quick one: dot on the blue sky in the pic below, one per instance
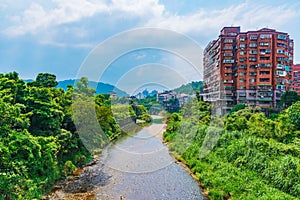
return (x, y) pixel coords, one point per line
(57, 36)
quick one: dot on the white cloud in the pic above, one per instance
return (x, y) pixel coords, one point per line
(49, 23)
(73, 45)
(36, 18)
(247, 15)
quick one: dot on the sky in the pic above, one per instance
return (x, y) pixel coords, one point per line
(59, 36)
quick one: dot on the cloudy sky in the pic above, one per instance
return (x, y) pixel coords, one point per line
(57, 36)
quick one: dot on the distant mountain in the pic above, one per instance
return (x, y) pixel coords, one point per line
(190, 88)
(101, 88)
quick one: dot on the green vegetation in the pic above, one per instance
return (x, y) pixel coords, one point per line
(190, 88)
(39, 143)
(243, 155)
(289, 97)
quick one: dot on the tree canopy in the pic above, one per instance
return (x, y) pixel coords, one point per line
(39, 139)
(289, 97)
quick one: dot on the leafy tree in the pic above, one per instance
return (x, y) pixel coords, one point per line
(82, 87)
(44, 80)
(237, 107)
(289, 97)
(294, 115)
(11, 87)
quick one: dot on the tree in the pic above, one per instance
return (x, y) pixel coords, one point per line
(82, 87)
(289, 97)
(294, 115)
(237, 107)
(44, 80)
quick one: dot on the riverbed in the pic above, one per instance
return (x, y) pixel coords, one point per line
(137, 167)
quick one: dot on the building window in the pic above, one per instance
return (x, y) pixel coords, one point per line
(252, 80)
(242, 52)
(242, 45)
(281, 37)
(252, 44)
(281, 44)
(228, 54)
(264, 80)
(242, 39)
(280, 87)
(228, 47)
(265, 65)
(280, 58)
(265, 51)
(264, 72)
(265, 36)
(252, 73)
(232, 34)
(242, 73)
(264, 43)
(242, 80)
(228, 61)
(242, 59)
(280, 51)
(253, 37)
(243, 66)
(228, 41)
(252, 52)
(252, 59)
(281, 73)
(253, 66)
(264, 58)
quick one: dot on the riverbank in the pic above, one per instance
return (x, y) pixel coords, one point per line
(178, 160)
(136, 167)
(184, 165)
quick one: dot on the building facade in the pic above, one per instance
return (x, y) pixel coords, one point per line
(252, 68)
(296, 78)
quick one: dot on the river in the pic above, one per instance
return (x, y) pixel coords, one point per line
(135, 168)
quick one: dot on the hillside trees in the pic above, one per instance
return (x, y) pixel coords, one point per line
(39, 141)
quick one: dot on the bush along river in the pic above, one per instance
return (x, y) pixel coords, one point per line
(137, 167)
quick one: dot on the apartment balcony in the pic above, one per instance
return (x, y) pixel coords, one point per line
(228, 100)
(265, 99)
(251, 98)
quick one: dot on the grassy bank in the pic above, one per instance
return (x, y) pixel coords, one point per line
(241, 156)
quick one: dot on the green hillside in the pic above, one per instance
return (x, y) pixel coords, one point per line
(190, 88)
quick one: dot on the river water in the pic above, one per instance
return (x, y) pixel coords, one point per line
(138, 167)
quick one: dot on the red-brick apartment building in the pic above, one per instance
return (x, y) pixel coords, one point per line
(296, 78)
(252, 68)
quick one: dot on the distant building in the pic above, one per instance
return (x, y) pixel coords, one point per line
(165, 96)
(183, 99)
(112, 95)
(173, 101)
(296, 78)
(252, 68)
